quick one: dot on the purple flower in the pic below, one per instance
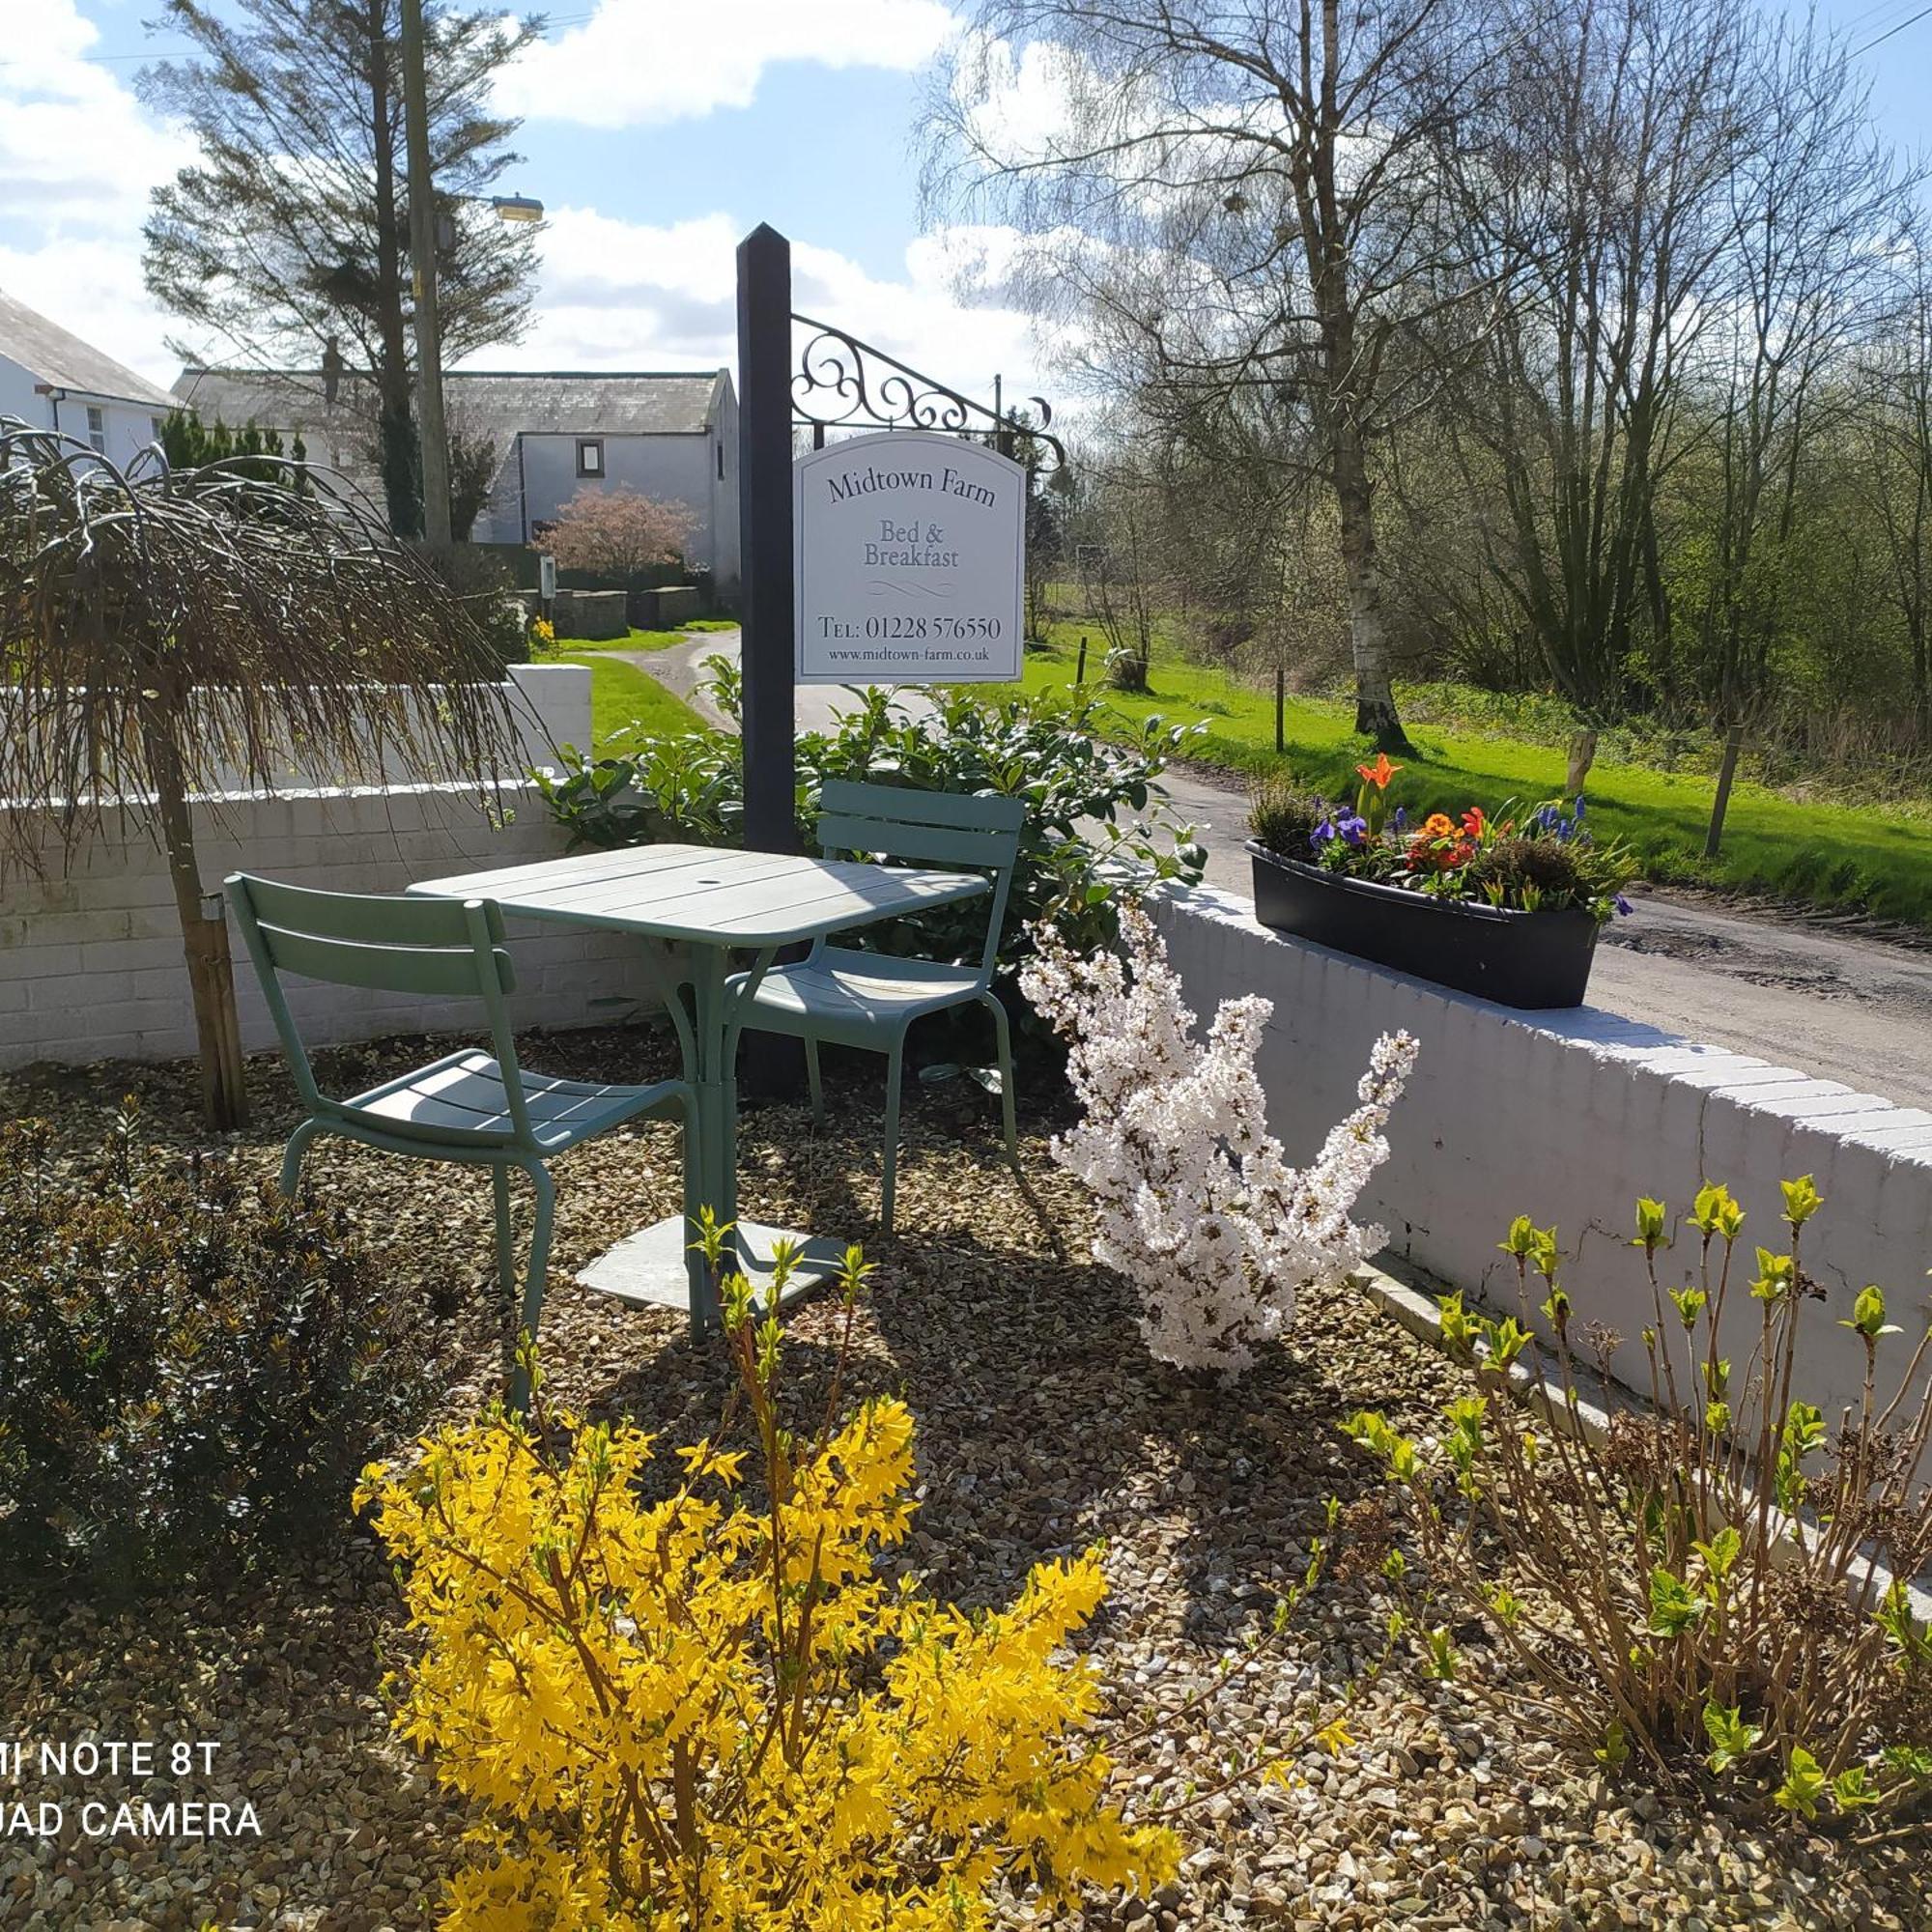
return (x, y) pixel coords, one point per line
(1401, 820)
(1353, 827)
(1321, 834)
(1623, 905)
(1580, 809)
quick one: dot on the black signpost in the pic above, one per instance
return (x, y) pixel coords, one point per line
(764, 518)
(835, 382)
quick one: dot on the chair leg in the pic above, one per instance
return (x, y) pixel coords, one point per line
(889, 1172)
(506, 1260)
(812, 1081)
(1009, 1101)
(534, 1289)
(291, 1156)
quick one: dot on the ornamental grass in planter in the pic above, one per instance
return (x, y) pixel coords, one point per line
(1709, 1590)
(1506, 906)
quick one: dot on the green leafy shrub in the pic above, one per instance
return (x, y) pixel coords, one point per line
(191, 1370)
(1094, 822)
(1705, 1588)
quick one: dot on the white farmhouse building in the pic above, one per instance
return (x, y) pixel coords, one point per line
(55, 381)
(670, 434)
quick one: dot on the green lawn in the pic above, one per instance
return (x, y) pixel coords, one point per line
(1827, 855)
(621, 695)
(634, 640)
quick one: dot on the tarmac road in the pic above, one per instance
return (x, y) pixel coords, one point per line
(1839, 1005)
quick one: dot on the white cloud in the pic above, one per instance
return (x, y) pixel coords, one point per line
(627, 295)
(77, 157)
(637, 62)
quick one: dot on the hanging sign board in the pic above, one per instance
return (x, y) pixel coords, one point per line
(909, 561)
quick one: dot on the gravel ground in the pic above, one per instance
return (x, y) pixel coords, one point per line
(1042, 1426)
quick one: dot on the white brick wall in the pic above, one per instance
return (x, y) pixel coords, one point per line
(91, 961)
(1567, 1117)
(549, 706)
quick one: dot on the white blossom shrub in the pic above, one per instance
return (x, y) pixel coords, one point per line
(1198, 1207)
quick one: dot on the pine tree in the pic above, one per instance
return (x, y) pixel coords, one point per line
(291, 229)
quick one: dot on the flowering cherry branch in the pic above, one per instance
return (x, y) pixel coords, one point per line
(1198, 1206)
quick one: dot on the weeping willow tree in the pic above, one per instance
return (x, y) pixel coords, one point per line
(171, 635)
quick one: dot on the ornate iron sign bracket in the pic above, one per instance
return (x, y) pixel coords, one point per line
(840, 383)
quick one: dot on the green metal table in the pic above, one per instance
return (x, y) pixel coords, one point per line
(694, 905)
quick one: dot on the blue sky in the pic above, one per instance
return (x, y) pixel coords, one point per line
(655, 133)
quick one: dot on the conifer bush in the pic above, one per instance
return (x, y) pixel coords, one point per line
(193, 1368)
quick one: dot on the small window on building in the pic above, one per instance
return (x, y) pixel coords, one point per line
(589, 456)
(721, 462)
(155, 427)
(97, 428)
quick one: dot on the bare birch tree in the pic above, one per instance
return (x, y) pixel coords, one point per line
(1599, 189)
(1244, 194)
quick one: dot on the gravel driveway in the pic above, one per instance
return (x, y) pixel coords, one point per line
(1043, 1427)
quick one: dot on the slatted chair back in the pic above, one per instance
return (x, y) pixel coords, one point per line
(927, 827)
(390, 945)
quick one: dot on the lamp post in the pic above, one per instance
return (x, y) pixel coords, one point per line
(423, 260)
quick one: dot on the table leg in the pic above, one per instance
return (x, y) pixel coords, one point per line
(659, 1265)
(715, 1088)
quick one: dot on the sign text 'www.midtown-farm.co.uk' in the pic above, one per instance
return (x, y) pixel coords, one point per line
(910, 561)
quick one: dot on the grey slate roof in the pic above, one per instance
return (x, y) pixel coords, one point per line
(484, 402)
(64, 361)
(589, 402)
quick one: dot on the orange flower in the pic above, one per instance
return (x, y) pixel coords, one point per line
(1379, 773)
(1437, 825)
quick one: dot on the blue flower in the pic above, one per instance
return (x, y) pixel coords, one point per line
(1321, 834)
(1580, 808)
(1401, 820)
(1354, 829)
(1623, 905)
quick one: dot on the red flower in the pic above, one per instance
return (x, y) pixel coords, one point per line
(1473, 821)
(1379, 773)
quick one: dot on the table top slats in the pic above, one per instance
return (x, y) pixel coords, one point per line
(709, 896)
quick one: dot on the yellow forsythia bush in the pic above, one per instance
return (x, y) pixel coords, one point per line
(709, 1712)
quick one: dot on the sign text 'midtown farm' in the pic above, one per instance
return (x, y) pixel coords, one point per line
(872, 480)
(908, 561)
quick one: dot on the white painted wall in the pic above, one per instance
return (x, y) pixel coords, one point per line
(91, 963)
(129, 427)
(91, 955)
(548, 706)
(1567, 1117)
(677, 469)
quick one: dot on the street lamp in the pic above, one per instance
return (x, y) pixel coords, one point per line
(505, 207)
(422, 255)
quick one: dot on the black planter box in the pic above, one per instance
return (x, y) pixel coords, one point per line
(1530, 959)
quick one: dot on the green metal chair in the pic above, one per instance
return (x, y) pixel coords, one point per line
(839, 997)
(466, 1107)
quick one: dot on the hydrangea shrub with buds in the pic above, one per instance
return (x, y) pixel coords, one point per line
(1198, 1207)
